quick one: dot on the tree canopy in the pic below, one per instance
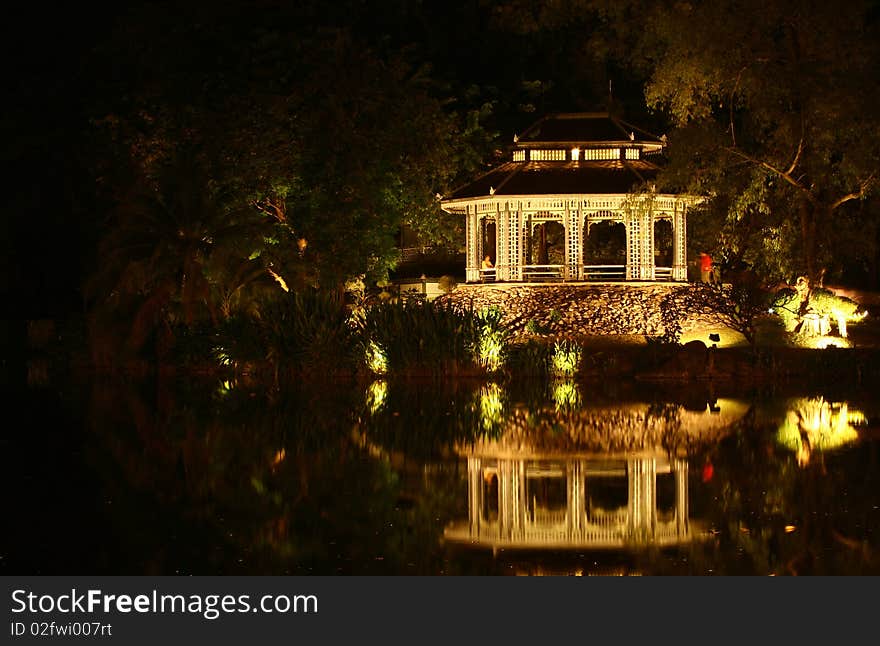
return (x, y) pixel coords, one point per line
(775, 105)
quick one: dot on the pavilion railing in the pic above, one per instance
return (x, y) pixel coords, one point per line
(588, 273)
(603, 272)
(542, 272)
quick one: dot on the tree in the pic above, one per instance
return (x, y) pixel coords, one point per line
(335, 142)
(779, 99)
(159, 245)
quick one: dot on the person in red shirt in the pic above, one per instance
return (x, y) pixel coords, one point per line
(705, 267)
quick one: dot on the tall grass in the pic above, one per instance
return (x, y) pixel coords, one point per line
(430, 339)
(297, 332)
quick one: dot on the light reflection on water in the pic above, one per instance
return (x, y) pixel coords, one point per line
(462, 478)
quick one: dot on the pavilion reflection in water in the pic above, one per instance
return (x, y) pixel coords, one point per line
(576, 502)
(524, 495)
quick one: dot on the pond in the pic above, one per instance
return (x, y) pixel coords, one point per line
(420, 478)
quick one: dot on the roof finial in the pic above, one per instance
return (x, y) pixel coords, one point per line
(515, 138)
(610, 97)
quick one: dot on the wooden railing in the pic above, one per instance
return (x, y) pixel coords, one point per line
(588, 273)
(542, 272)
(604, 272)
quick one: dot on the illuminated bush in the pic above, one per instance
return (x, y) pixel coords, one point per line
(377, 393)
(376, 360)
(493, 339)
(566, 395)
(566, 358)
(430, 338)
(817, 425)
(491, 407)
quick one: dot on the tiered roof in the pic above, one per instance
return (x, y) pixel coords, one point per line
(580, 153)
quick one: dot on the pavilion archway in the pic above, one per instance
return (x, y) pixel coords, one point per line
(544, 250)
(664, 248)
(488, 242)
(604, 249)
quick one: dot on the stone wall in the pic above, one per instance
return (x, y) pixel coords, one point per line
(646, 309)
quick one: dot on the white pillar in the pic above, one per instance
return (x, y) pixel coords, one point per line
(472, 244)
(647, 269)
(574, 243)
(642, 497)
(502, 270)
(475, 494)
(679, 235)
(509, 235)
(633, 224)
(575, 502)
(682, 510)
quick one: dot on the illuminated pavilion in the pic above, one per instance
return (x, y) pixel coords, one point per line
(601, 478)
(570, 172)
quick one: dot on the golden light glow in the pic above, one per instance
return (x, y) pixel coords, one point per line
(376, 359)
(822, 342)
(279, 280)
(566, 358)
(491, 349)
(817, 425)
(727, 337)
(575, 154)
(225, 387)
(491, 406)
(566, 395)
(377, 393)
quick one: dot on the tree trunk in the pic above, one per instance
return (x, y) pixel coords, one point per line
(808, 238)
(542, 245)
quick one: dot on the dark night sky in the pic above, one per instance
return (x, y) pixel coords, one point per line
(53, 79)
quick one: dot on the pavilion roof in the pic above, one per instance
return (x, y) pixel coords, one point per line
(559, 178)
(605, 167)
(583, 128)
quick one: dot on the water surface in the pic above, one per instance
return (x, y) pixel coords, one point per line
(467, 477)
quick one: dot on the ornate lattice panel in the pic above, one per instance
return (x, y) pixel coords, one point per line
(679, 232)
(573, 244)
(502, 243)
(473, 246)
(633, 246)
(647, 268)
(514, 246)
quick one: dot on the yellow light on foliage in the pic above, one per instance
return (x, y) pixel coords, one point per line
(566, 395)
(491, 406)
(377, 393)
(279, 280)
(225, 387)
(817, 425)
(376, 359)
(566, 357)
(491, 349)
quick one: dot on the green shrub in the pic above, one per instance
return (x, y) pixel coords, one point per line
(307, 330)
(420, 337)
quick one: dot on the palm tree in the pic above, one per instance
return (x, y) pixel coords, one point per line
(159, 243)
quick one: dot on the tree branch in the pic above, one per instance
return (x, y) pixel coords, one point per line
(786, 175)
(732, 95)
(864, 187)
(797, 155)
